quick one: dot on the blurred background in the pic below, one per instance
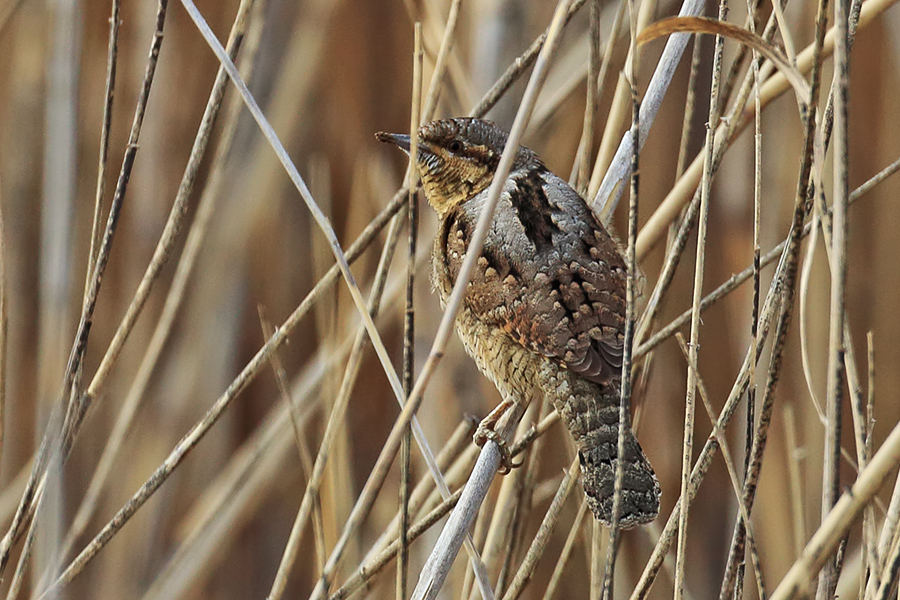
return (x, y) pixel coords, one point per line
(329, 74)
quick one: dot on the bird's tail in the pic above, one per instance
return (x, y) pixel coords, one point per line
(591, 413)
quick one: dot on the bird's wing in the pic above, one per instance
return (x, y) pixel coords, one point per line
(565, 300)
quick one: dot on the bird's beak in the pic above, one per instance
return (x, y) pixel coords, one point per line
(398, 139)
(402, 141)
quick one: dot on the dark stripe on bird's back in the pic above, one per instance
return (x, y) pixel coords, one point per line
(534, 210)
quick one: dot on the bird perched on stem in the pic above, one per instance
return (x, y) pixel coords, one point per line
(544, 312)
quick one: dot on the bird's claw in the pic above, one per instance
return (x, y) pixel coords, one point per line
(484, 433)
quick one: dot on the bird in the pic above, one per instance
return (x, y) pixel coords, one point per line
(544, 311)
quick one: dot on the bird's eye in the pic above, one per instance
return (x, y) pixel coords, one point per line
(455, 146)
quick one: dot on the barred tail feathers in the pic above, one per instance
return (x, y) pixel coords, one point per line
(591, 414)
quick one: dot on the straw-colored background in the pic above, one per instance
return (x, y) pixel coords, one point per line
(329, 74)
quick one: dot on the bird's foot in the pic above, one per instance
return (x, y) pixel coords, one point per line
(486, 431)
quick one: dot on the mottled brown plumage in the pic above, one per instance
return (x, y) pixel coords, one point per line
(544, 311)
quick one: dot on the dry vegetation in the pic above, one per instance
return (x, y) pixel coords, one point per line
(146, 420)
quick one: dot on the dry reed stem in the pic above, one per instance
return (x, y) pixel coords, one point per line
(754, 306)
(889, 531)
(616, 115)
(857, 450)
(673, 254)
(298, 182)
(354, 251)
(439, 562)
(840, 519)
(539, 543)
(604, 196)
(495, 544)
(174, 222)
(515, 70)
(788, 284)
(596, 559)
(376, 564)
(566, 552)
(190, 439)
(773, 87)
(162, 251)
(50, 442)
(455, 459)
(390, 447)
(870, 551)
(440, 64)
(805, 275)
(297, 428)
(521, 502)
(173, 302)
(709, 448)
(592, 99)
(459, 449)
(737, 279)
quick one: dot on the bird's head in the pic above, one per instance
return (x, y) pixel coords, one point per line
(457, 158)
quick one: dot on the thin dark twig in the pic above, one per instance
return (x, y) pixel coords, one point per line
(737, 279)
(206, 207)
(112, 54)
(628, 346)
(836, 344)
(409, 320)
(754, 303)
(788, 284)
(694, 347)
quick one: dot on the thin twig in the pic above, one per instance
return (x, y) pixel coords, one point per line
(409, 316)
(112, 54)
(729, 463)
(836, 344)
(361, 508)
(630, 311)
(297, 428)
(694, 347)
(592, 99)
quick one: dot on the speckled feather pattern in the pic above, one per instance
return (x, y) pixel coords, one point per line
(544, 311)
